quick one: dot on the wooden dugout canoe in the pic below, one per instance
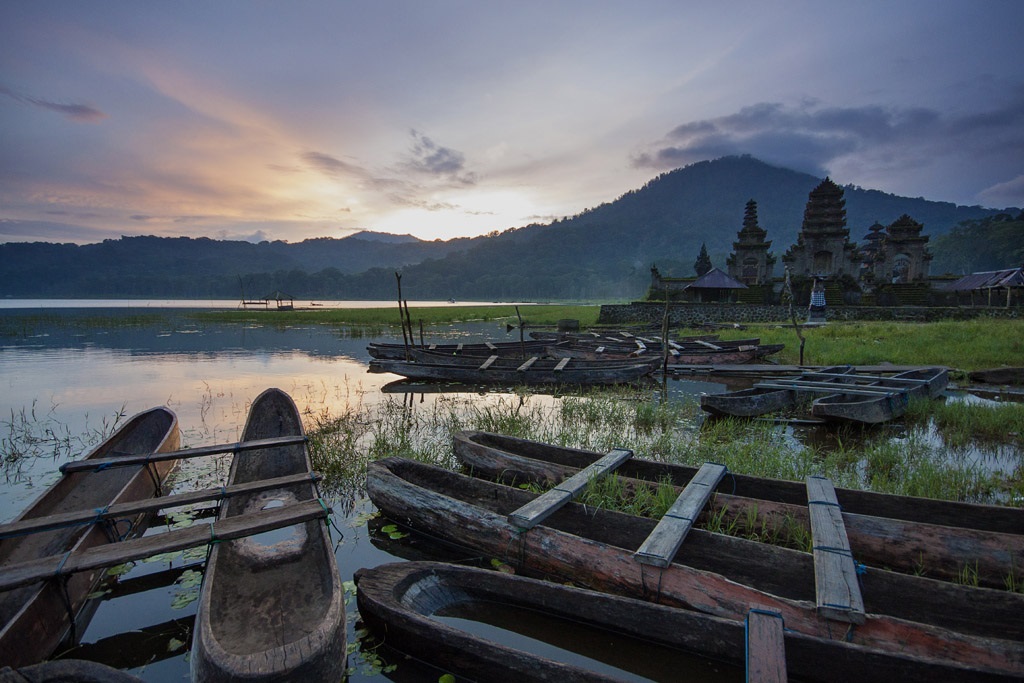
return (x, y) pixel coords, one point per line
(902, 533)
(505, 349)
(271, 611)
(763, 400)
(34, 619)
(861, 409)
(399, 601)
(515, 372)
(976, 628)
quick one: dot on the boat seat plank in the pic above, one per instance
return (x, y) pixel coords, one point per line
(458, 348)
(110, 554)
(600, 349)
(432, 347)
(488, 363)
(766, 647)
(526, 366)
(716, 347)
(491, 346)
(77, 517)
(837, 588)
(866, 378)
(661, 546)
(92, 464)
(823, 388)
(561, 364)
(542, 507)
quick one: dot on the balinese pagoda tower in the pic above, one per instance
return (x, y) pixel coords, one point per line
(823, 247)
(750, 261)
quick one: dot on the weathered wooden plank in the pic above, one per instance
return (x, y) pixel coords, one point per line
(661, 546)
(716, 347)
(865, 378)
(491, 346)
(231, 528)
(561, 364)
(458, 347)
(432, 347)
(77, 517)
(848, 389)
(526, 366)
(766, 647)
(487, 363)
(837, 588)
(125, 460)
(542, 507)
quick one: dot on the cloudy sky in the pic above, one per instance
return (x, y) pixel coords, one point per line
(250, 119)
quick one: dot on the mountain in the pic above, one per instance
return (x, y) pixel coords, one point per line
(604, 252)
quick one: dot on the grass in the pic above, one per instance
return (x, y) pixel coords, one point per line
(966, 345)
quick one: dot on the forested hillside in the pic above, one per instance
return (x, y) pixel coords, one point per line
(978, 245)
(602, 253)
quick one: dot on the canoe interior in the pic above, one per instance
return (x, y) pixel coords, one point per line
(271, 604)
(33, 619)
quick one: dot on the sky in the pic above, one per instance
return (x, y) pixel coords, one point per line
(251, 119)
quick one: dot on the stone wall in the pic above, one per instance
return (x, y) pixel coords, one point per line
(694, 314)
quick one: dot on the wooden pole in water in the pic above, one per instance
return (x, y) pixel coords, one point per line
(522, 342)
(792, 314)
(664, 338)
(401, 316)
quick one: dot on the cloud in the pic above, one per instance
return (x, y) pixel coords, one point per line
(1010, 193)
(46, 231)
(429, 158)
(330, 165)
(82, 113)
(810, 137)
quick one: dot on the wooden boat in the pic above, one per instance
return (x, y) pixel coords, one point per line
(732, 356)
(485, 349)
(938, 622)
(271, 610)
(1013, 376)
(761, 400)
(404, 600)
(35, 618)
(902, 533)
(535, 370)
(866, 409)
(66, 671)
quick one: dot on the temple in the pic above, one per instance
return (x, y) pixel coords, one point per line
(750, 262)
(823, 247)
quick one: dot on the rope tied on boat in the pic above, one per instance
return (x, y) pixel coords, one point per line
(846, 552)
(825, 502)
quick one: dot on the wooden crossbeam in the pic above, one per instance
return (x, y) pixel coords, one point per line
(432, 347)
(661, 546)
(716, 347)
(526, 366)
(542, 507)
(766, 647)
(80, 517)
(837, 588)
(869, 378)
(110, 554)
(459, 347)
(825, 388)
(92, 464)
(561, 364)
(491, 346)
(489, 362)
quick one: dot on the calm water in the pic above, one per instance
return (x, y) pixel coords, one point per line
(73, 379)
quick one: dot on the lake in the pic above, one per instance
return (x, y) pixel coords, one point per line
(66, 375)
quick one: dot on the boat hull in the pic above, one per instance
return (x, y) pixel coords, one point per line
(399, 601)
(37, 618)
